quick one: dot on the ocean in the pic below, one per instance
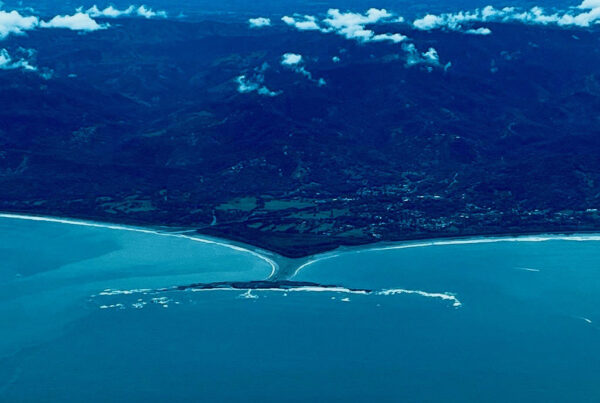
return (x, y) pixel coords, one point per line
(97, 312)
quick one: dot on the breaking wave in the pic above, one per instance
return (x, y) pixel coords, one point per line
(252, 290)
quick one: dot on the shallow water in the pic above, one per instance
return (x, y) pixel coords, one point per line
(83, 319)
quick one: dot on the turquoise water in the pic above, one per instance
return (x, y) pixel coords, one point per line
(82, 319)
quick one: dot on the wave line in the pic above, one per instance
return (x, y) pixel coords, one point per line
(274, 266)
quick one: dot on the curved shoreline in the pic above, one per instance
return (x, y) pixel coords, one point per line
(119, 227)
(285, 268)
(483, 239)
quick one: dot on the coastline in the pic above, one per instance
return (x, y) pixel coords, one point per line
(448, 241)
(306, 245)
(271, 258)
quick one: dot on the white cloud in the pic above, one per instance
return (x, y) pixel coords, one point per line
(255, 82)
(350, 25)
(450, 21)
(246, 85)
(14, 23)
(356, 26)
(341, 21)
(112, 12)
(76, 22)
(296, 63)
(429, 22)
(584, 15)
(291, 59)
(305, 23)
(589, 4)
(109, 12)
(259, 22)
(9, 63)
(395, 38)
(479, 31)
(429, 59)
(353, 25)
(144, 11)
(23, 59)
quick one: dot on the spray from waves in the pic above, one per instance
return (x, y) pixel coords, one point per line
(248, 295)
(109, 291)
(527, 269)
(252, 289)
(583, 318)
(444, 296)
(274, 266)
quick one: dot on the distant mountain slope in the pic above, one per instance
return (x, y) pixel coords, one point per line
(145, 122)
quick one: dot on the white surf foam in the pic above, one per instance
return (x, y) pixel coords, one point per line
(248, 295)
(113, 306)
(443, 296)
(163, 301)
(251, 293)
(109, 291)
(288, 290)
